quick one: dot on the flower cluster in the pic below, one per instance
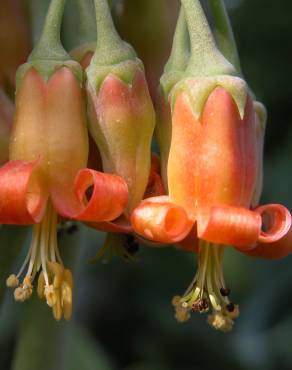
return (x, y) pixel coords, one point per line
(80, 149)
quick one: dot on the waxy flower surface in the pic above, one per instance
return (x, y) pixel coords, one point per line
(46, 177)
(214, 174)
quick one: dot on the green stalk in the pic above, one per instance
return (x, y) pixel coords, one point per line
(205, 58)
(224, 34)
(87, 26)
(110, 49)
(180, 47)
(49, 46)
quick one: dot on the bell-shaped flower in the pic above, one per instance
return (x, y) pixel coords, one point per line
(46, 175)
(214, 175)
(120, 110)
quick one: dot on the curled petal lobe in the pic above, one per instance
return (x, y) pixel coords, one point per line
(191, 242)
(277, 221)
(274, 250)
(22, 196)
(107, 200)
(119, 225)
(229, 225)
(159, 220)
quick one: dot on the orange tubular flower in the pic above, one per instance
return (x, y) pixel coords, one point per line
(214, 177)
(47, 175)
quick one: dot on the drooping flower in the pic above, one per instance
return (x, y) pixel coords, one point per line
(46, 175)
(120, 110)
(214, 175)
(121, 121)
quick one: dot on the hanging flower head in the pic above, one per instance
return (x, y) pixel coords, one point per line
(214, 173)
(121, 114)
(46, 175)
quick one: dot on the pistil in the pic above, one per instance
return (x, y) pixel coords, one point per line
(208, 291)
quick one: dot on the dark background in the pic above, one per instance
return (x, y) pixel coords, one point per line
(123, 318)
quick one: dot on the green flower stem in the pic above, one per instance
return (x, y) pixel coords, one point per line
(110, 49)
(87, 25)
(49, 46)
(225, 37)
(205, 58)
(180, 51)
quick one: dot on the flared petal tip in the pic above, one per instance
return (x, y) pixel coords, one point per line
(159, 220)
(22, 195)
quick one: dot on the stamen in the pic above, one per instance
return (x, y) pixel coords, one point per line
(208, 290)
(225, 292)
(55, 284)
(12, 281)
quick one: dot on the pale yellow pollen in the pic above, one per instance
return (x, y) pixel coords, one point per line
(12, 281)
(23, 292)
(182, 313)
(66, 294)
(57, 271)
(54, 282)
(208, 290)
(57, 308)
(220, 322)
(50, 294)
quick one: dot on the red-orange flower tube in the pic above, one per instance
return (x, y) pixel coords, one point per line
(214, 174)
(46, 175)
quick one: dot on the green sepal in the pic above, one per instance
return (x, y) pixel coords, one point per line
(47, 67)
(125, 71)
(199, 89)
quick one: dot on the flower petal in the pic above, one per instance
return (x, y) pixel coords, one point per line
(22, 196)
(274, 250)
(107, 202)
(120, 225)
(159, 220)
(278, 221)
(191, 242)
(229, 225)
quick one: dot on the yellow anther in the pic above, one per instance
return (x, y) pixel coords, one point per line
(220, 322)
(233, 314)
(57, 308)
(68, 277)
(176, 301)
(12, 281)
(57, 270)
(21, 293)
(66, 294)
(50, 294)
(182, 315)
(27, 283)
(182, 312)
(41, 286)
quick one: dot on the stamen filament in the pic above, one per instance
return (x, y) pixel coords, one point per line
(206, 290)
